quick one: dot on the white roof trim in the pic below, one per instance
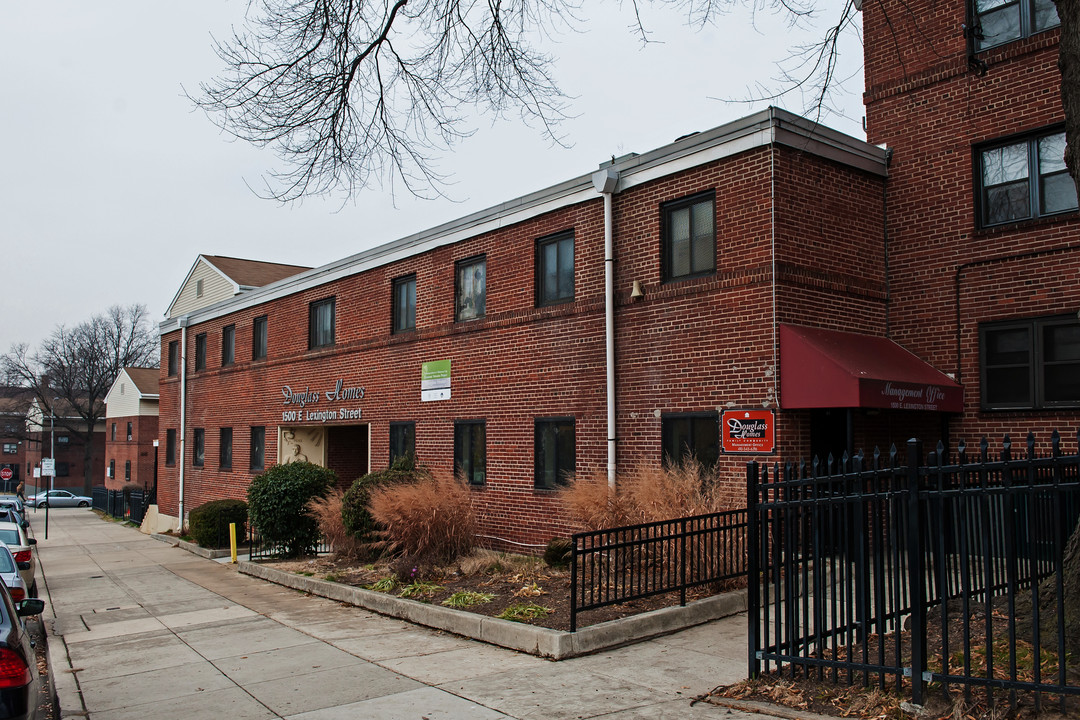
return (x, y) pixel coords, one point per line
(769, 126)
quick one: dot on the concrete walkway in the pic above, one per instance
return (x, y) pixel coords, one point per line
(140, 629)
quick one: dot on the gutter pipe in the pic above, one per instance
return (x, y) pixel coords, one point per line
(605, 181)
(183, 322)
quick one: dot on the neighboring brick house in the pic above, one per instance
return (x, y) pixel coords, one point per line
(14, 405)
(777, 287)
(131, 426)
(65, 433)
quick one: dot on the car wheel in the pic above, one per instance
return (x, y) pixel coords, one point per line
(43, 505)
(83, 503)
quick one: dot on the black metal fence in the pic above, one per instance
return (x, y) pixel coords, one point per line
(637, 561)
(260, 549)
(891, 571)
(128, 504)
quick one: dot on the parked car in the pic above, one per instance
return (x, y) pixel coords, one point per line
(9, 575)
(19, 679)
(13, 500)
(12, 535)
(10, 514)
(58, 498)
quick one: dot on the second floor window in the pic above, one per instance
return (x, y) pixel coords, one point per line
(1025, 179)
(112, 433)
(174, 357)
(130, 433)
(1001, 21)
(321, 323)
(228, 345)
(404, 310)
(471, 289)
(1030, 364)
(200, 351)
(688, 237)
(170, 446)
(555, 269)
(198, 447)
(258, 338)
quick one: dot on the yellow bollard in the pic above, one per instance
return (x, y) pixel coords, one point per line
(232, 541)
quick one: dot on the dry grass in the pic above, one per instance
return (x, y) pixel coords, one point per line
(432, 519)
(327, 513)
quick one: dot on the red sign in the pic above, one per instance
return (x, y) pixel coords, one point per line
(5, 473)
(748, 431)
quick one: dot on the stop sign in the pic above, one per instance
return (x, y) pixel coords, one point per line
(5, 473)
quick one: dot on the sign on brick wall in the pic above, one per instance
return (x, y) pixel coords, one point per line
(435, 381)
(748, 431)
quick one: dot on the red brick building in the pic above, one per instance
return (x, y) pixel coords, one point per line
(776, 287)
(131, 422)
(14, 406)
(59, 431)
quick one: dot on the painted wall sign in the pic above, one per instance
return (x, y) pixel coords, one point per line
(748, 431)
(435, 381)
(909, 396)
(307, 396)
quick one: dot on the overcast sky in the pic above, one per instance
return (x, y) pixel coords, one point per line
(112, 184)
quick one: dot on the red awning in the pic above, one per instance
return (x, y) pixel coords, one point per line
(832, 369)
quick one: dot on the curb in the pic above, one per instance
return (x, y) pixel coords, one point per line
(191, 547)
(540, 641)
(63, 685)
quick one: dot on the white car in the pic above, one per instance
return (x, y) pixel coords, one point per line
(12, 535)
(58, 498)
(9, 575)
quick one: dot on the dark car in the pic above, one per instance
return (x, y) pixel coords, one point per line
(19, 679)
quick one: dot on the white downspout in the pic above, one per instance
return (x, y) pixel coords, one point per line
(605, 181)
(183, 415)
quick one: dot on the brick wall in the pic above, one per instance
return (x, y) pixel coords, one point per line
(139, 451)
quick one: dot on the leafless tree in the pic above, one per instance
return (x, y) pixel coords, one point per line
(78, 365)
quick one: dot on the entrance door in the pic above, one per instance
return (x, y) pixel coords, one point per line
(830, 432)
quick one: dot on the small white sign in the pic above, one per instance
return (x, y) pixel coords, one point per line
(438, 394)
(37, 473)
(48, 467)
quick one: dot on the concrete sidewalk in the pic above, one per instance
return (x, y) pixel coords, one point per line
(141, 629)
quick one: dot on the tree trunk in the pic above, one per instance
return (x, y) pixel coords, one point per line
(1069, 64)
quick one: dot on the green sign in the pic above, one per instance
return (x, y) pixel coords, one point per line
(435, 370)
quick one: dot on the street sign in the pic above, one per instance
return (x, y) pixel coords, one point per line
(5, 473)
(48, 467)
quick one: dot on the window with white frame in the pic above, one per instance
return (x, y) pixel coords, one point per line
(470, 280)
(1024, 178)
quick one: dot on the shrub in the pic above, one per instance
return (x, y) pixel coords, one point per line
(431, 519)
(558, 552)
(327, 513)
(209, 523)
(278, 504)
(355, 514)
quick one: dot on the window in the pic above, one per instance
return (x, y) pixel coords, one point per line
(470, 450)
(554, 449)
(258, 447)
(1000, 21)
(228, 345)
(198, 288)
(321, 323)
(63, 439)
(130, 434)
(127, 471)
(402, 440)
(112, 468)
(470, 292)
(688, 237)
(692, 436)
(225, 455)
(258, 338)
(170, 446)
(405, 304)
(112, 433)
(174, 357)
(1030, 363)
(200, 352)
(555, 269)
(198, 447)
(63, 469)
(1025, 179)
(11, 448)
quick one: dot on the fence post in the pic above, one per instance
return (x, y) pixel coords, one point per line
(573, 582)
(916, 576)
(753, 582)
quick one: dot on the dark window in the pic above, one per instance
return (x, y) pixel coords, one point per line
(198, 447)
(470, 289)
(200, 351)
(170, 446)
(470, 450)
(692, 436)
(225, 456)
(1024, 179)
(321, 323)
(112, 433)
(174, 357)
(258, 447)
(11, 448)
(1031, 363)
(127, 471)
(555, 450)
(402, 440)
(112, 469)
(130, 434)
(228, 344)
(405, 304)
(63, 469)
(555, 269)
(1000, 21)
(258, 338)
(689, 237)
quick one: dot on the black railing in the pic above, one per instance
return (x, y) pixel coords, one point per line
(613, 566)
(129, 504)
(259, 549)
(892, 571)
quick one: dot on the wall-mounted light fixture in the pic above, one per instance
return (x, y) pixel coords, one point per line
(636, 293)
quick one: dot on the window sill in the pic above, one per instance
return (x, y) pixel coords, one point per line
(1026, 224)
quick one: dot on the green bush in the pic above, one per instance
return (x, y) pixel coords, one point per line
(354, 506)
(209, 523)
(558, 552)
(277, 505)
